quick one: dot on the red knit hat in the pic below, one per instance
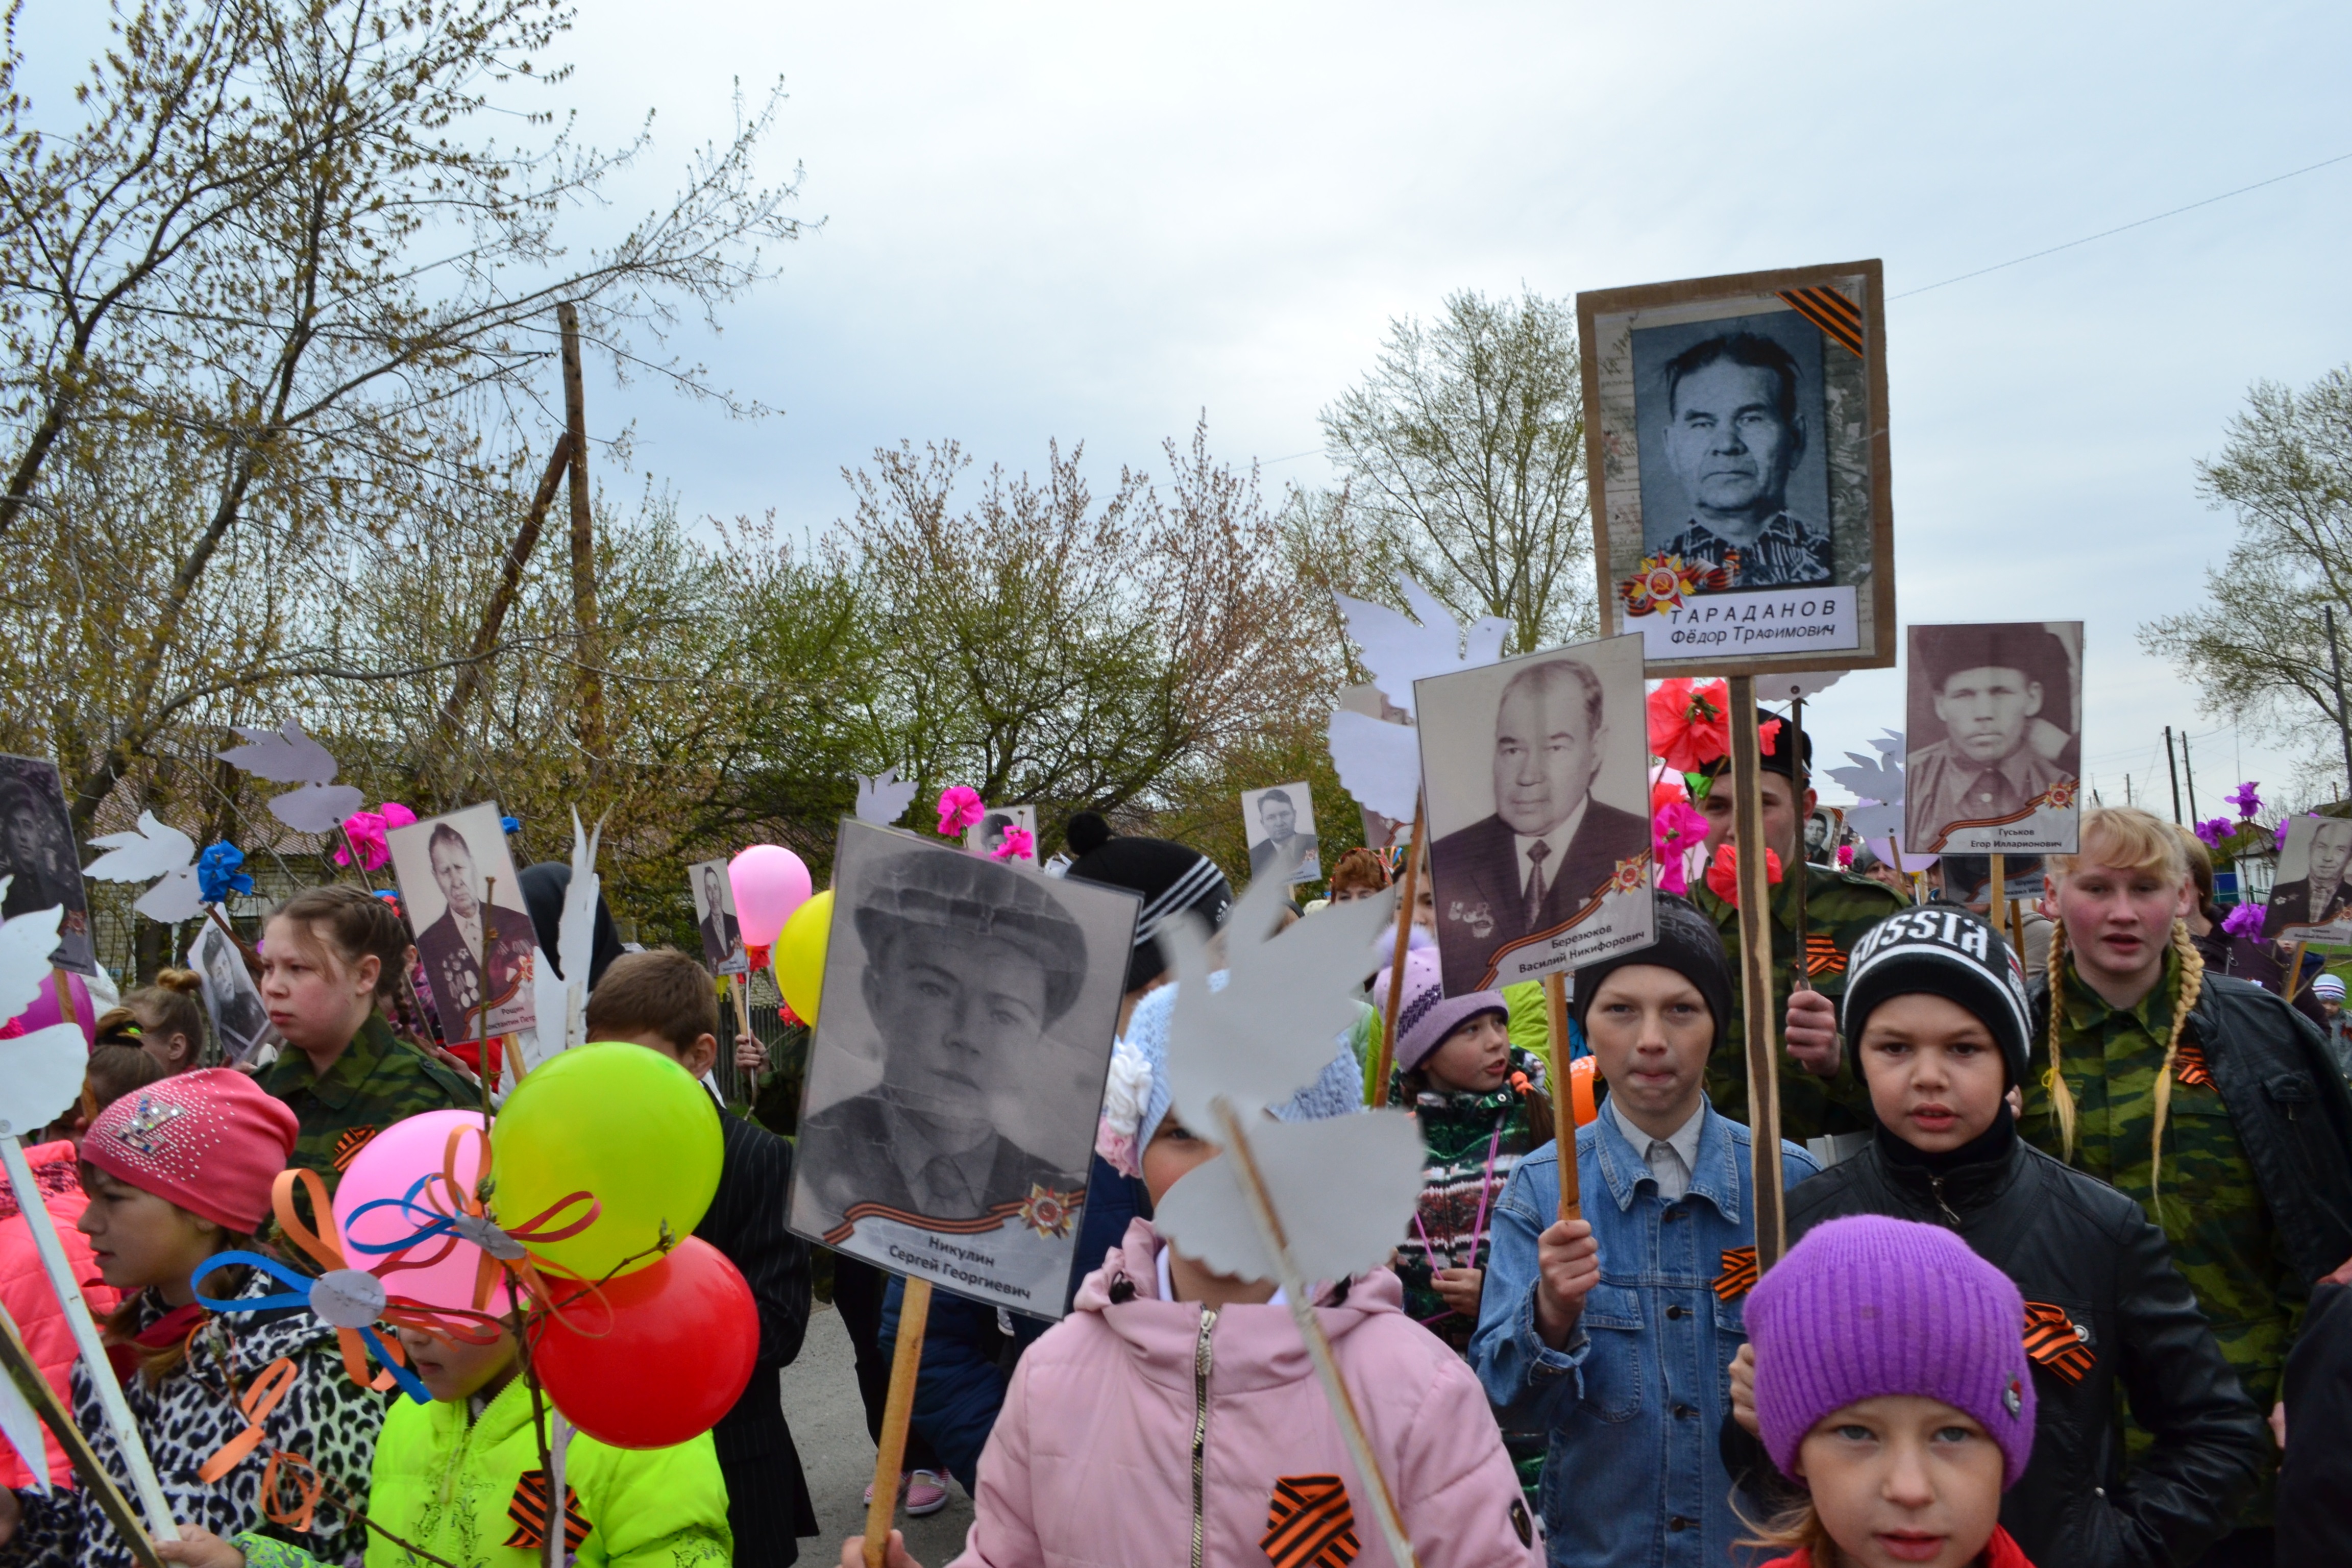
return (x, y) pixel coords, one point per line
(210, 1142)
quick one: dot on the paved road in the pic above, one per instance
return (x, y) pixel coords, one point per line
(828, 1423)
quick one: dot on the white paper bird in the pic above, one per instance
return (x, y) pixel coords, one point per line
(40, 1072)
(1398, 651)
(286, 756)
(1877, 785)
(1379, 762)
(560, 1002)
(883, 799)
(1268, 1032)
(159, 851)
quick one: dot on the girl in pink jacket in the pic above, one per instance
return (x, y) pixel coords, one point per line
(1174, 1417)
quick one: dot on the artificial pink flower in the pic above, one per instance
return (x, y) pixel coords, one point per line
(1018, 843)
(364, 830)
(2244, 798)
(1723, 877)
(959, 807)
(2245, 920)
(1677, 825)
(1845, 856)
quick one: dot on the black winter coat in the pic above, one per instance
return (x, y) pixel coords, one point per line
(2070, 1241)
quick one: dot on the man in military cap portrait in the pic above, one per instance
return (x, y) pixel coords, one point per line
(1998, 701)
(968, 966)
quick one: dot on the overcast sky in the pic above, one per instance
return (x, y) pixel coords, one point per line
(1091, 222)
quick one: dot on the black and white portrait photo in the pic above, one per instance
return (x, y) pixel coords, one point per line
(989, 835)
(1737, 456)
(240, 1021)
(2311, 900)
(1538, 796)
(474, 940)
(1279, 824)
(714, 916)
(37, 856)
(1993, 755)
(956, 1075)
(1733, 477)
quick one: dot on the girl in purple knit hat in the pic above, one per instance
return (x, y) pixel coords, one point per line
(1892, 1383)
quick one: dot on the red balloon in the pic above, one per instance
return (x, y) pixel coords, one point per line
(663, 1357)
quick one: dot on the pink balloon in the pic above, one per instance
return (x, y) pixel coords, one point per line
(387, 1167)
(770, 883)
(44, 1010)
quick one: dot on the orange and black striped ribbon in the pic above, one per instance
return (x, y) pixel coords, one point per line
(2188, 1066)
(1309, 1524)
(348, 1146)
(2052, 1340)
(1839, 318)
(528, 1509)
(1739, 1273)
(1823, 955)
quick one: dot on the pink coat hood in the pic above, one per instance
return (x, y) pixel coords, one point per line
(1091, 1461)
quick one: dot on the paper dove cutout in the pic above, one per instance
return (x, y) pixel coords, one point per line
(883, 799)
(1776, 687)
(286, 755)
(560, 1002)
(155, 850)
(41, 1072)
(1343, 1189)
(1379, 762)
(1878, 785)
(1397, 652)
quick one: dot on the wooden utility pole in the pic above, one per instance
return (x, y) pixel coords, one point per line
(588, 653)
(502, 597)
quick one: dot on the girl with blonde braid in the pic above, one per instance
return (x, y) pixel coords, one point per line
(2203, 1097)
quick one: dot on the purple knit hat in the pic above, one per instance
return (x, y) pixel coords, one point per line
(1868, 1306)
(1427, 1014)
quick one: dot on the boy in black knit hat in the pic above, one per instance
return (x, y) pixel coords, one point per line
(1935, 1014)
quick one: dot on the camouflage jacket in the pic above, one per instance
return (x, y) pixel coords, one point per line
(379, 1079)
(2256, 1193)
(1838, 909)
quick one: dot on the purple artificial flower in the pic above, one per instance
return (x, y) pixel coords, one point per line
(2214, 829)
(2245, 920)
(2244, 798)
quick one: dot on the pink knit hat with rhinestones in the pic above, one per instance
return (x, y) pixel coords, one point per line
(210, 1142)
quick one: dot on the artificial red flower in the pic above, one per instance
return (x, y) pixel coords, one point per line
(1767, 735)
(1664, 789)
(1690, 724)
(1723, 877)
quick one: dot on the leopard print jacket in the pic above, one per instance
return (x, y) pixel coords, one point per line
(184, 1419)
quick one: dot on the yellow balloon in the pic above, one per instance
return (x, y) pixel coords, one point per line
(623, 1123)
(799, 957)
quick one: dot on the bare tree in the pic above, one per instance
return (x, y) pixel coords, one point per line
(1463, 450)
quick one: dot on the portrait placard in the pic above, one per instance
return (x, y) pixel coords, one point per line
(714, 916)
(474, 940)
(986, 836)
(956, 1075)
(1737, 450)
(2311, 896)
(1534, 774)
(240, 1021)
(1993, 751)
(39, 856)
(1279, 823)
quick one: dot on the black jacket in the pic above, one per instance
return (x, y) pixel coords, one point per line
(767, 1495)
(2315, 1516)
(2070, 1241)
(2288, 1105)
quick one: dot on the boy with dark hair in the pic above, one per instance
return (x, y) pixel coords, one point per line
(663, 1001)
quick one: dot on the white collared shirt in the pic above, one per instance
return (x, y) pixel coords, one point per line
(1555, 844)
(1671, 1160)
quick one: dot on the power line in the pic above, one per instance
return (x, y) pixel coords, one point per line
(2137, 223)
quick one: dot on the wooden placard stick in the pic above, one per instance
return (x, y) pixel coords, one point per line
(1997, 895)
(2293, 973)
(52, 1251)
(742, 989)
(1319, 1345)
(906, 1360)
(1396, 961)
(1563, 1097)
(26, 1375)
(1799, 778)
(1756, 970)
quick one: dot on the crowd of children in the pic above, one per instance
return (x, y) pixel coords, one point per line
(2069, 1261)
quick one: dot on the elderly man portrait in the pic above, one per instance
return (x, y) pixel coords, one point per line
(1284, 852)
(2318, 896)
(1992, 687)
(1734, 434)
(1528, 871)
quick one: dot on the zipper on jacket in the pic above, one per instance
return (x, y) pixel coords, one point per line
(1936, 1185)
(1200, 1360)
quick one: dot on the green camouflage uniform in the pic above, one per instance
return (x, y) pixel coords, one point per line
(2208, 1203)
(1838, 909)
(379, 1079)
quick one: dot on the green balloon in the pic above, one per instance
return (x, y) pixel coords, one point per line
(622, 1123)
